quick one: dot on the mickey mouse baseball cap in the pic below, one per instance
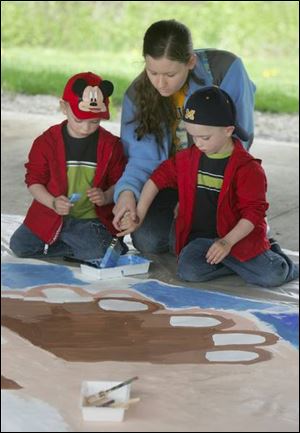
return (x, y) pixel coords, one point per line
(87, 94)
(214, 107)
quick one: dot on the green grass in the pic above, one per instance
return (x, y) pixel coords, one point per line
(46, 42)
(277, 83)
(256, 28)
(46, 70)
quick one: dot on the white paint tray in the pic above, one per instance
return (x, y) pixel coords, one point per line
(129, 264)
(90, 413)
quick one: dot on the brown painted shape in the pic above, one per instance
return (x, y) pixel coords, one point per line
(86, 332)
(9, 384)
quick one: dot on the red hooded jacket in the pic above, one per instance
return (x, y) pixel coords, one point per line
(243, 195)
(47, 166)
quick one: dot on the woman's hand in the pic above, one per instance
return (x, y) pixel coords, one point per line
(126, 203)
(127, 225)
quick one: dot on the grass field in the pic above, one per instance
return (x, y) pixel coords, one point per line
(43, 43)
(45, 71)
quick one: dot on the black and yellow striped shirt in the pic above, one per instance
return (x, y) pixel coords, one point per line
(209, 183)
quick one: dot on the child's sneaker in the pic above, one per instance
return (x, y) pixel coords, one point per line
(275, 247)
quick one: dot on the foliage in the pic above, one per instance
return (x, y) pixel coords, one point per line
(44, 42)
(257, 27)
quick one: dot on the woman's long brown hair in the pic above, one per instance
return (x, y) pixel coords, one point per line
(155, 113)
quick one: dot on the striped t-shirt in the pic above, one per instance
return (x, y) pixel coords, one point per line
(81, 157)
(209, 183)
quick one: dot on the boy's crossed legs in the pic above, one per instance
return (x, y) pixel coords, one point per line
(268, 269)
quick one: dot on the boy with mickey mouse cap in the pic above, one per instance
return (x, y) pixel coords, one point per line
(75, 160)
(220, 227)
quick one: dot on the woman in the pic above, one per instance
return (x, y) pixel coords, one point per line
(152, 128)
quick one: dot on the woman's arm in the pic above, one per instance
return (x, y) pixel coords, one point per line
(144, 155)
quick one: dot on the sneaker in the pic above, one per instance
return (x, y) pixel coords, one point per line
(275, 246)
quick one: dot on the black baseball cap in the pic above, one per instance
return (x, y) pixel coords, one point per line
(214, 107)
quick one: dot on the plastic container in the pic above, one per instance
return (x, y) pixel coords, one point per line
(128, 264)
(94, 413)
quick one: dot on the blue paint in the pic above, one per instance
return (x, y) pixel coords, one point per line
(75, 197)
(180, 297)
(283, 319)
(24, 275)
(286, 325)
(129, 259)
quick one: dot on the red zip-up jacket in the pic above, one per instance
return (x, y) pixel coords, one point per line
(243, 195)
(47, 166)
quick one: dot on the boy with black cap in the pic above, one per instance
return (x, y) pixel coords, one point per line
(220, 227)
(71, 172)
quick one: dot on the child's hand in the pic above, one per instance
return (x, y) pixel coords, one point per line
(97, 196)
(127, 224)
(62, 205)
(218, 251)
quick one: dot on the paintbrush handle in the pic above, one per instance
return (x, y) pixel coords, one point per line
(99, 395)
(106, 403)
(125, 404)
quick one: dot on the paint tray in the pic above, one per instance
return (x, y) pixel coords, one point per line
(129, 264)
(93, 413)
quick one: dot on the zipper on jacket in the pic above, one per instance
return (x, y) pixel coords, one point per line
(46, 247)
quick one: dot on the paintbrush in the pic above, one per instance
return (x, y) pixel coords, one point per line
(112, 254)
(94, 398)
(106, 403)
(125, 404)
(118, 404)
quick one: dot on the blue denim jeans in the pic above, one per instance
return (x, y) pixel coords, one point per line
(268, 269)
(79, 239)
(157, 233)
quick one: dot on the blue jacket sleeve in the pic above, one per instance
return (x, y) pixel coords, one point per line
(143, 155)
(238, 85)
